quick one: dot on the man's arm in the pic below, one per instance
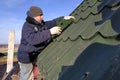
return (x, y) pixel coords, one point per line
(35, 37)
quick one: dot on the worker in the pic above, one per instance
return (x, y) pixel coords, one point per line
(36, 34)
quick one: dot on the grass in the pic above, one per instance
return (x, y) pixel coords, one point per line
(3, 59)
(5, 53)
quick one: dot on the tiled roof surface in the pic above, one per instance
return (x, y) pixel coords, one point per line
(89, 49)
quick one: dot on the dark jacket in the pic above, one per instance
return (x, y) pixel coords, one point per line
(35, 37)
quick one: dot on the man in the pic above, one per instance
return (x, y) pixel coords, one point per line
(36, 34)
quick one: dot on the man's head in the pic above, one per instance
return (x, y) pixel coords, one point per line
(36, 13)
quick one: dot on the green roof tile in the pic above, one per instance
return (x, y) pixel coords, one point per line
(88, 49)
(107, 29)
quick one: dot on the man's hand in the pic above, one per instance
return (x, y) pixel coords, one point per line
(56, 30)
(69, 17)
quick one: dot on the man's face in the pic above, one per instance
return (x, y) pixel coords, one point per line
(39, 18)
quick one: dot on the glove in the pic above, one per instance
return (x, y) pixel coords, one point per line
(69, 17)
(56, 30)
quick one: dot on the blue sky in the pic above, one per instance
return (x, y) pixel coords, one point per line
(13, 14)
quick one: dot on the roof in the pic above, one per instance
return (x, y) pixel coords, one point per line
(89, 49)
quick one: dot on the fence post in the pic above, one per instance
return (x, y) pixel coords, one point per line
(10, 51)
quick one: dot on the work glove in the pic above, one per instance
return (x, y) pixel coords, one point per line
(69, 17)
(55, 30)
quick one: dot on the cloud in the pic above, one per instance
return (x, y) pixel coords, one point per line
(11, 3)
(5, 34)
(11, 24)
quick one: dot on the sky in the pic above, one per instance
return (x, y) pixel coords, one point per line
(13, 14)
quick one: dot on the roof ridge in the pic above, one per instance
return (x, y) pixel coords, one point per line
(89, 6)
(92, 13)
(81, 6)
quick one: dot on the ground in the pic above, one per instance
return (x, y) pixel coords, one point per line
(3, 61)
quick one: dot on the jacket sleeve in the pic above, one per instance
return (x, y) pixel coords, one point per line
(35, 37)
(52, 23)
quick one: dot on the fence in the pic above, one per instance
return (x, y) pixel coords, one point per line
(10, 54)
